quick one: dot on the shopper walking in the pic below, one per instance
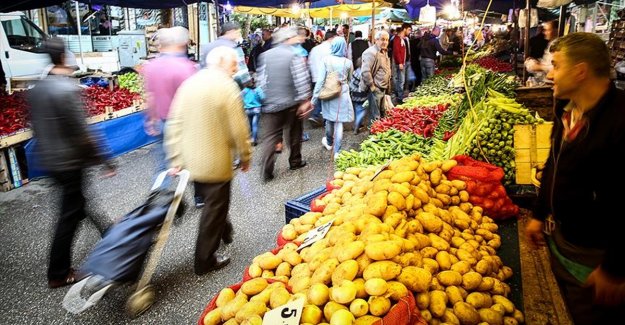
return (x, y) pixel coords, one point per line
(162, 77)
(252, 101)
(339, 110)
(207, 126)
(577, 198)
(376, 74)
(315, 60)
(358, 96)
(357, 47)
(284, 78)
(64, 147)
(230, 37)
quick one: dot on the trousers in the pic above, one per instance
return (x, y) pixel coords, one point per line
(272, 126)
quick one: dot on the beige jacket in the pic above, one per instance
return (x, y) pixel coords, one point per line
(206, 126)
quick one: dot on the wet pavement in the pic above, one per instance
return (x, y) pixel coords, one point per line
(28, 214)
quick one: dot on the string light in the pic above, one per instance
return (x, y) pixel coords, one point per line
(295, 8)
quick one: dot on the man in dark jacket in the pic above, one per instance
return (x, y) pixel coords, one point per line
(430, 44)
(578, 204)
(64, 148)
(357, 47)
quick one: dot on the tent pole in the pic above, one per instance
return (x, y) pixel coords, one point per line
(218, 22)
(79, 32)
(561, 21)
(371, 37)
(526, 41)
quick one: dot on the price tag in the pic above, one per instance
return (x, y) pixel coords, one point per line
(287, 314)
(315, 235)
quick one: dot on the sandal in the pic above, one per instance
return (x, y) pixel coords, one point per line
(71, 278)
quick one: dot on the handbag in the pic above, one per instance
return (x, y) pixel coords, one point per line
(332, 86)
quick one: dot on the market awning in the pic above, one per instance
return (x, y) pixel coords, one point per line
(321, 9)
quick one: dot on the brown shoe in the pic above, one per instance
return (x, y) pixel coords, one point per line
(71, 278)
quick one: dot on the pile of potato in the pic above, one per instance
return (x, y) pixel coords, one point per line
(409, 229)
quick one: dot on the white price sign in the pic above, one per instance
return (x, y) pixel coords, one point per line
(315, 235)
(287, 314)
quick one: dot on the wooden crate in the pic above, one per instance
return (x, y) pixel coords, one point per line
(537, 99)
(5, 173)
(531, 148)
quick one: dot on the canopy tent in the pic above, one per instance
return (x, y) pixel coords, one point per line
(320, 9)
(8, 6)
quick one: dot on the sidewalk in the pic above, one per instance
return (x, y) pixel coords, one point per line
(27, 217)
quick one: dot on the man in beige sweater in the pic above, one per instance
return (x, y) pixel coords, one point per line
(206, 126)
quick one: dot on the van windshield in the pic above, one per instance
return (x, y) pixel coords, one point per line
(22, 34)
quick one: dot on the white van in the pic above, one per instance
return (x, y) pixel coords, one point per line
(21, 47)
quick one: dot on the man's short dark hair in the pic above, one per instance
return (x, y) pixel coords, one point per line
(346, 26)
(329, 35)
(358, 33)
(406, 25)
(226, 27)
(585, 48)
(55, 47)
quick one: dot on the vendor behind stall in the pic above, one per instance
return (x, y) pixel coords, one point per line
(539, 67)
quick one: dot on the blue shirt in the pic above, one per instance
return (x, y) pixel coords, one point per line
(252, 98)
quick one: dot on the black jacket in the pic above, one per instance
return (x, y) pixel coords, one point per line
(58, 118)
(430, 45)
(581, 183)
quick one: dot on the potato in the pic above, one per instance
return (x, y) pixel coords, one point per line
(397, 200)
(345, 271)
(507, 304)
(342, 317)
(279, 296)
(284, 269)
(479, 300)
(507, 320)
(449, 317)
(225, 296)
(518, 315)
(376, 287)
(267, 274)
(499, 308)
(428, 252)
(330, 308)
(345, 293)
(366, 320)
(381, 251)
(324, 273)
(403, 177)
(449, 278)
(386, 270)
(438, 303)
(435, 285)
(427, 316)
(213, 317)
(430, 222)
(438, 242)
(430, 265)
(250, 309)
(453, 294)
(423, 300)
(231, 321)
(299, 284)
(461, 267)
(414, 278)
(379, 305)
(466, 313)
(254, 286)
(301, 270)
(264, 295)
(311, 314)
(471, 280)
(490, 316)
(360, 288)
(230, 309)
(359, 307)
(376, 204)
(318, 294)
(268, 261)
(487, 284)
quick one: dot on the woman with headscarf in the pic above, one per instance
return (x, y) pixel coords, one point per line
(338, 110)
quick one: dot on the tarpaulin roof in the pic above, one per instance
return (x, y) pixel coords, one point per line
(320, 9)
(8, 5)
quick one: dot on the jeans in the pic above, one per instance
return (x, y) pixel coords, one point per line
(359, 115)
(254, 117)
(334, 134)
(376, 107)
(427, 68)
(72, 212)
(400, 79)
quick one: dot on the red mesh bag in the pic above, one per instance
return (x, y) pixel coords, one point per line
(330, 187)
(213, 303)
(404, 312)
(484, 186)
(318, 207)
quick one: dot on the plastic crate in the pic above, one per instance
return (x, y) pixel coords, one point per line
(297, 207)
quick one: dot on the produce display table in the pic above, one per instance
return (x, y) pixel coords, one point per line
(121, 135)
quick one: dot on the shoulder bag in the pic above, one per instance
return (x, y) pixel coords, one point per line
(331, 86)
